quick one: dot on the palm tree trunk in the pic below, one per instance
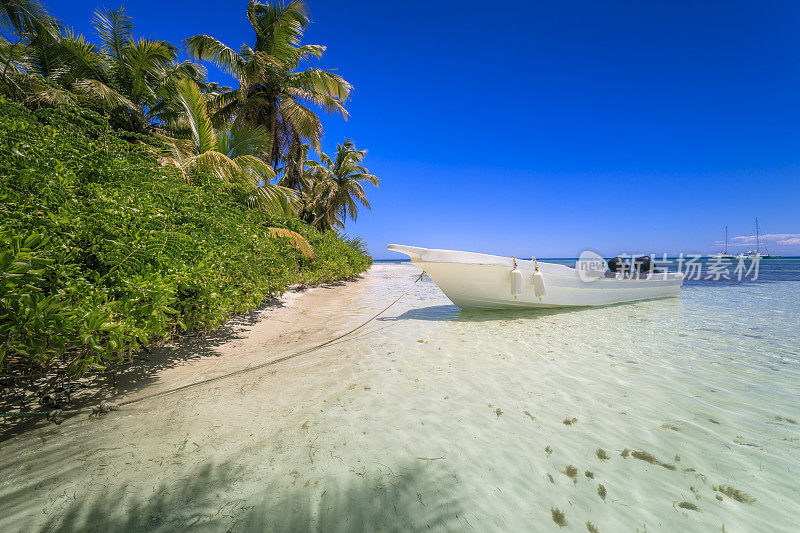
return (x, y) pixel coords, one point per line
(274, 127)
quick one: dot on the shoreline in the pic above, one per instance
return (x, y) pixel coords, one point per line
(287, 323)
(114, 471)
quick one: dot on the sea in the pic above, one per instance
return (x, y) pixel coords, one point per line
(678, 414)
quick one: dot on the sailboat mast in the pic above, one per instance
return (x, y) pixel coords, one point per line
(726, 239)
(758, 246)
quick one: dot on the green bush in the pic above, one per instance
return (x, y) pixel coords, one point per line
(104, 250)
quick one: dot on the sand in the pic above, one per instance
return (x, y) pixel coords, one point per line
(677, 414)
(76, 476)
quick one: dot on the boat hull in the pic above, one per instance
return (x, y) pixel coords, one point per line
(478, 281)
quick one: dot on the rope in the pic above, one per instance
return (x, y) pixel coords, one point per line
(272, 362)
(113, 407)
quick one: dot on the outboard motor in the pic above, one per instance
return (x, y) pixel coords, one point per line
(618, 264)
(643, 264)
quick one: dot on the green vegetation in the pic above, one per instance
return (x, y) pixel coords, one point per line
(335, 189)
(257, 132)
(105, 250)
(140, 200)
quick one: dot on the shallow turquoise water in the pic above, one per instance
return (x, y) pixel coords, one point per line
(676, 414)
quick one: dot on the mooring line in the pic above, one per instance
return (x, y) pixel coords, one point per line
(106, 406)
(273, 361)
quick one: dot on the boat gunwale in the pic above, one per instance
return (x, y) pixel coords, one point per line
(523, 264)
(652, 276)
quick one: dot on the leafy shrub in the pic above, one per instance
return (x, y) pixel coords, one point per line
(104, 250)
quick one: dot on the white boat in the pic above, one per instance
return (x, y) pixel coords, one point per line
(473, 280)
(724, 254)
(756, 254)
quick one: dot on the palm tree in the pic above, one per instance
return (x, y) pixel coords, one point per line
(232, 155)
(144, 71)
(294, 168)
(336, 189)
(21, 21)
(131, 80)
(272, 92)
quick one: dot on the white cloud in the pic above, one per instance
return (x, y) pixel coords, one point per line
(787, 239)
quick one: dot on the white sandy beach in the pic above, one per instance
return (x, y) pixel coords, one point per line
(152, 447)
(433, 418)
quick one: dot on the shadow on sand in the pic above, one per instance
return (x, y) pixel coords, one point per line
(217, 498)
(452, 313)
(121, 378)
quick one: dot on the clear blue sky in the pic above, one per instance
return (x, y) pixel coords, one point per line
(545, 128)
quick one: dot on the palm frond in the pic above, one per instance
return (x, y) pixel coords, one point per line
(323, 82)
(298, 241)
(107, 96)
(26, 16)
(244, 139)
(310, 50)
(79, 56)
(193, 103)
(207, 48)
(115, 30)
(257, 170)
(305, 122)
(278, 26)
(50, 96)
(213, 162)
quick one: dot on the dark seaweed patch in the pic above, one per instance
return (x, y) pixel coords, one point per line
(689, 506)
(601, 491)
(736, 494)
(602, 455)
(571, 472)
(650, 458)
(558, 517)
(591, 527)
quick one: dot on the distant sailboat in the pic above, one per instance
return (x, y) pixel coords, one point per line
(724, 254)
(766, 254)
(753, 254)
